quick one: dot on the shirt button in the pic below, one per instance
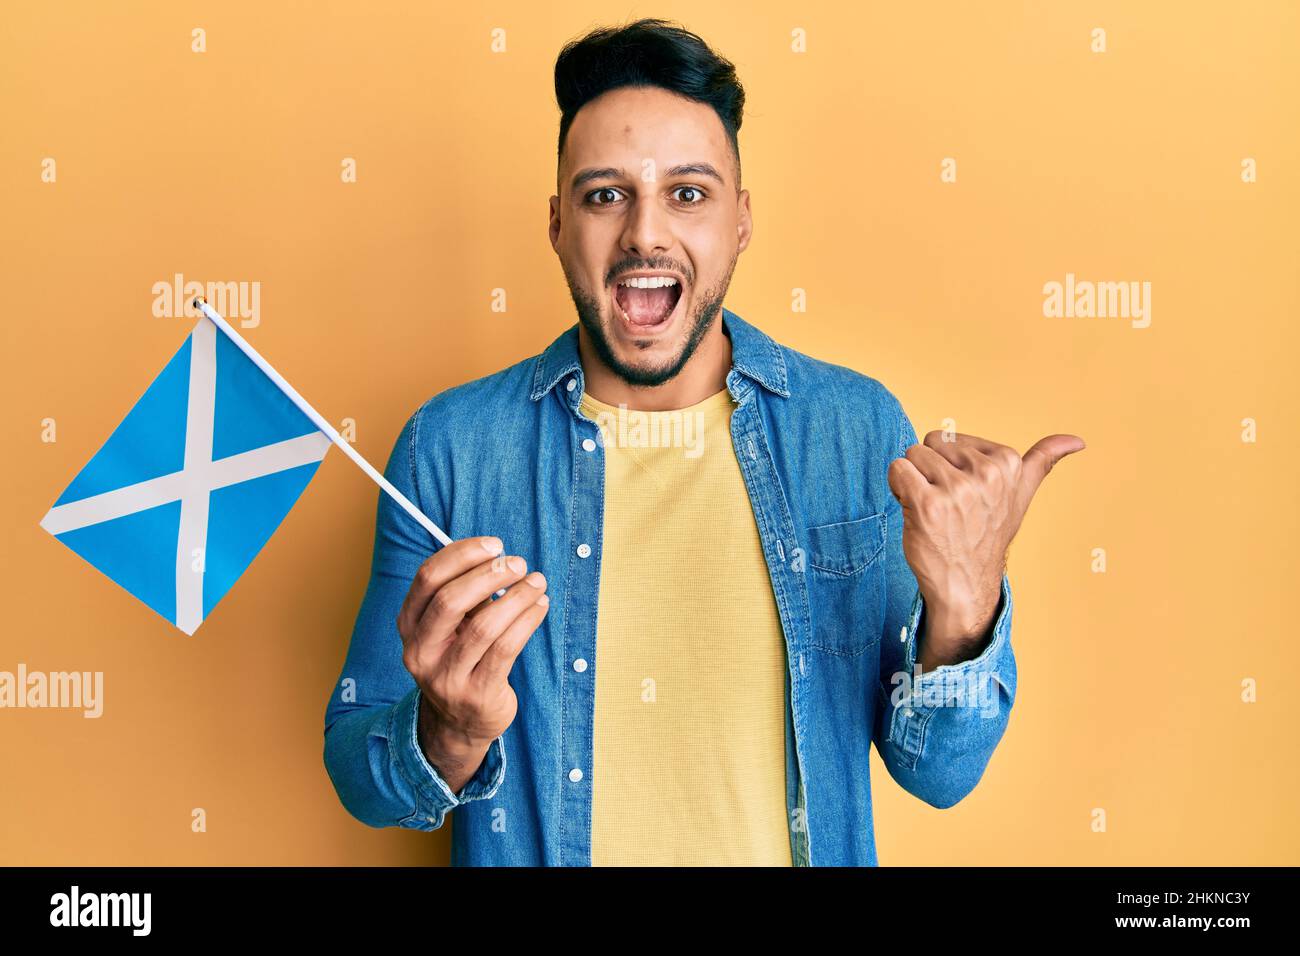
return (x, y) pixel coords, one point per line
(580, 665)
(573, 383)
(584, 550)
(575, 774)
(908, 712)
(588, 445)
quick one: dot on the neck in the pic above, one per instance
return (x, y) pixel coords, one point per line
(704, 374)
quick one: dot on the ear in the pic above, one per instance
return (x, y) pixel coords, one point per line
(744, 220)
(554, 228)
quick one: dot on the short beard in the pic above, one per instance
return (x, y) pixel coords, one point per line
(589, 315)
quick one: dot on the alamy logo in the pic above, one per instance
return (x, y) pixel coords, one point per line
(230, 299)
(74, 689)
(974, 689)
(1098, 300)
(102, 909)
(641, 429)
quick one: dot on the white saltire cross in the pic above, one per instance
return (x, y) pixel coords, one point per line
(192, 485)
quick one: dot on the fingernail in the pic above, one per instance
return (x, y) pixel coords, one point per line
(492, 545)
(536, 579)
(517, 564)
(543, 601)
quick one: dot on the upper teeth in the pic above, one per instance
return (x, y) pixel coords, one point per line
(653, 282)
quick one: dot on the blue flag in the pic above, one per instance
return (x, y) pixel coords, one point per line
(193, 482)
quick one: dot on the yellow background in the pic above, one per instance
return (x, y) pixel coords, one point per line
(1122, 166)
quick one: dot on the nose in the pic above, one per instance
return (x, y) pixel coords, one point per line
(646, 231)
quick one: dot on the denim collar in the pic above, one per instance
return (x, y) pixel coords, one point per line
(753, 353)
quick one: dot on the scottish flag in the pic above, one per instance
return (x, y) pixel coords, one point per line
(193, 482)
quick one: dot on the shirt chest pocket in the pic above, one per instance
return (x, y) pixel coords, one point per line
(846, 583)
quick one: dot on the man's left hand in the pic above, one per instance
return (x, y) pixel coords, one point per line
(963, 500)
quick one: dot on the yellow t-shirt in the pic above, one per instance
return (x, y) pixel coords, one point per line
(689, 762)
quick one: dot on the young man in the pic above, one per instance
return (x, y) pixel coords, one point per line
(742, 553)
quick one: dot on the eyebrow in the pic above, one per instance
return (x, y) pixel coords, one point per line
(609, 172)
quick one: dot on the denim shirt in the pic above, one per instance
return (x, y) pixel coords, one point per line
(511, 455)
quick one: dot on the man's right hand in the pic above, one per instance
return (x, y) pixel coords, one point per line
(459, 644)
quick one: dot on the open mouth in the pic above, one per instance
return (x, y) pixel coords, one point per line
(647, 304)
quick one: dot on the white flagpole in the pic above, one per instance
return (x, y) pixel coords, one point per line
(201, 304)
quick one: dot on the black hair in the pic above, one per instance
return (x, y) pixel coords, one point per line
(648, 52)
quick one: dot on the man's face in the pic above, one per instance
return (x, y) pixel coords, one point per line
(647, 186)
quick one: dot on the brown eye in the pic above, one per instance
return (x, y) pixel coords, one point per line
(599, 192)
(693, 190)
